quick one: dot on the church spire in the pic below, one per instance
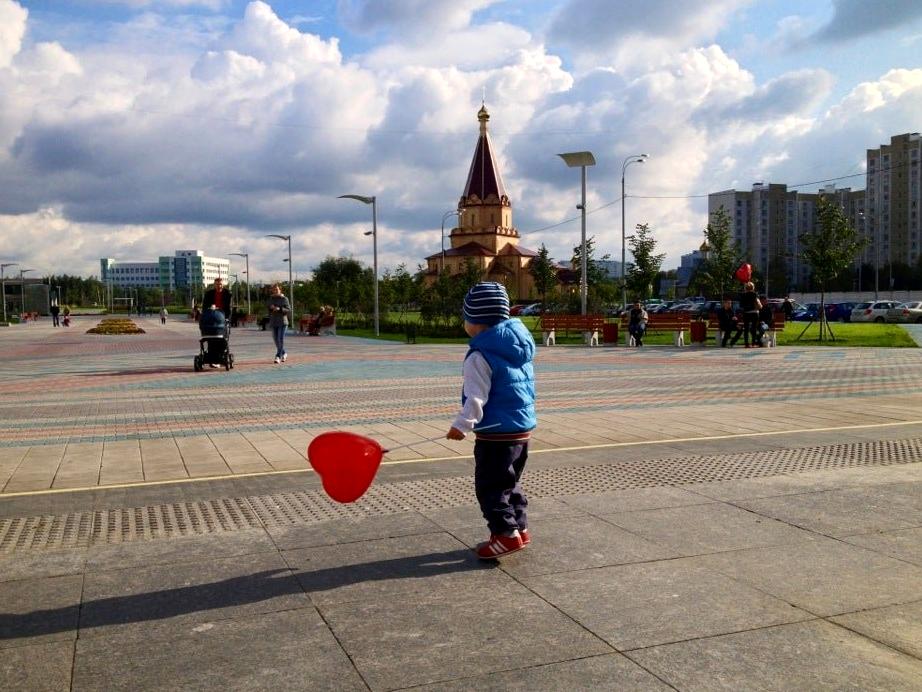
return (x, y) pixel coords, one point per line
(483, 179)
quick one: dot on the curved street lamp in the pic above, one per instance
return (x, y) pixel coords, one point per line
(373, 201)
(246, 271)
(636, 158)
(581, 159)
(3, 283)
(452, 212)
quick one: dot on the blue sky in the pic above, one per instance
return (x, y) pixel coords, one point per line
(131, 128)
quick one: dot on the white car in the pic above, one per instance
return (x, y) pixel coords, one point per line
(906, 313)
(875, 311)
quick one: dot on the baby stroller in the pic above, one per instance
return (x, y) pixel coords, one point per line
(214, 346)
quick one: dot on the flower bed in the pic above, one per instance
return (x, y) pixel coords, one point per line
(116, 325)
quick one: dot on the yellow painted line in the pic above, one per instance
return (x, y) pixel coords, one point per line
(427, 460)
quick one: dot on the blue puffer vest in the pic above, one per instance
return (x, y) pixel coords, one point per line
(509, 349)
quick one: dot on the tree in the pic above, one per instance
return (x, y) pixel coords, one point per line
(645, 268)
(543, 272)
(829, 250)
(715, 274)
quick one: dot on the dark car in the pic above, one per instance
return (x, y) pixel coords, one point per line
(809, 312)
(839, 311)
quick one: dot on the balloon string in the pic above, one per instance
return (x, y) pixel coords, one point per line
(433, 439)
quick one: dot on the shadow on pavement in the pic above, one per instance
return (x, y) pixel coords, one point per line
(228, 593)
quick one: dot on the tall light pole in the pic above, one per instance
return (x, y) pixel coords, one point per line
(636, 158)
(291, 283)
(3, 283)
(373, 201)
(454, 212)
(246, 271)
(22, 289)
(581, 159)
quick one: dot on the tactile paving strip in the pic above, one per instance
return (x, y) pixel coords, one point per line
(82, 529)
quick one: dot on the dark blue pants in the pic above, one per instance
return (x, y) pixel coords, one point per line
(278, 335)
(497, 469)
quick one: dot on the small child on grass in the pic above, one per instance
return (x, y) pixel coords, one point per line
(498, 405)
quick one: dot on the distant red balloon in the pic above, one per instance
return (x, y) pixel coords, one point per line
(744, 273)
(346, 463)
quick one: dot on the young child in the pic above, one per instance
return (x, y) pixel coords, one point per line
(498, 404)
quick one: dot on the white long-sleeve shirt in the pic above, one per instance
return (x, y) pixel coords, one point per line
(477, 375)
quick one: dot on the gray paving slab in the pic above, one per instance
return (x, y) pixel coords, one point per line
(903, 545)
(148, 603)
(636, 606)
(36, 611)
(37, 667)
(824, 576)
(445, 634)
(40, 564)
(608, 671)
(633, 500)
(898, 626)
(392, 568)
(115, 556)
(848, 511)
(291, 650)
(350, 530)
(707, 528)
(802, 656)
(562, 544)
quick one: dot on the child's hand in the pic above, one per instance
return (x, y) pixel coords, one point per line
(454, 434)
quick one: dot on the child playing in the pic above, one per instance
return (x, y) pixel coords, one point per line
(498, 396)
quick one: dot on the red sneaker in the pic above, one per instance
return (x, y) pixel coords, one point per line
(526, 539)
(498, 546)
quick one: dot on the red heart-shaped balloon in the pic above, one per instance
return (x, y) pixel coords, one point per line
(346, 463)
(744, 273)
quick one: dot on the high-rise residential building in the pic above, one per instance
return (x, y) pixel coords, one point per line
(894, 192)
(185, 270)
(768, 221)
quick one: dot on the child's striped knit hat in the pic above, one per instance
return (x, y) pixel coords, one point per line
(486, 303)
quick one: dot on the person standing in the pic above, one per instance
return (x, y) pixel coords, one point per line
(218, 298)
(787, 307)
(55, 310)
(750, 306)
(279, 309)
(163, 315)
(498, 404)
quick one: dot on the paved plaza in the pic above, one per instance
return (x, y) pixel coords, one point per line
(702, 519)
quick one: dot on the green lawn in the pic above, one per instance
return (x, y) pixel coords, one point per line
(847, 334)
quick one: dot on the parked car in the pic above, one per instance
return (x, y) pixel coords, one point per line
(910, 312)
(839, 311)
(875, 311)
(808, 312)
(531, 310)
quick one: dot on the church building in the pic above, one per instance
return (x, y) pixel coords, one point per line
(485, 234)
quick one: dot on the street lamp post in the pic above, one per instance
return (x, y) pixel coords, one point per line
(636, 158)
(246, 271)
(22, 289)
(581, 159)
(3, 283)
(291, 283)
(454, 212)
(373, 201)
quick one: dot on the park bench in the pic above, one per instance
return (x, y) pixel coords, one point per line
(676, 322)
(776, 326)
(589, 325)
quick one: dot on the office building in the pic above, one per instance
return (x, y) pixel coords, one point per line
(186, 270)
